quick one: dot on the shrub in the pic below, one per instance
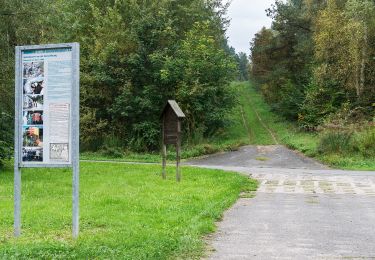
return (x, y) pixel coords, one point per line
(146, 137)
(112, 146)
(91, 130)
(112, 152)
(365, 142)
(290, 100)
(6, 137)
(335, 142)
(319, 103)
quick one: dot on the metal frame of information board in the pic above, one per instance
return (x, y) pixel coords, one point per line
(74, 121)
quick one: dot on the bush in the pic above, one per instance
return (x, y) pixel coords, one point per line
(319, 103)
(290, 101)
(347, 142)
(91, 130)
(6, 137)
(146, 137)
(364, 142)
(335, 142)
(112, 152)
(112, 147)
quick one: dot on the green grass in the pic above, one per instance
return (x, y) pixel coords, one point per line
(262, 124)
(126, 212)
(349, 162)
(129, 157)
(249, 102)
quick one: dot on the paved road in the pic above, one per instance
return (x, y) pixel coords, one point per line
(302, 210)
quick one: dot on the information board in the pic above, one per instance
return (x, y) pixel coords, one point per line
(46, 116)
(47, 77)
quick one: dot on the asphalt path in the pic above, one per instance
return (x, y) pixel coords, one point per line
(302, 209)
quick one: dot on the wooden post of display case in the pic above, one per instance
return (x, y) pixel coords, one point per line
(172, 117)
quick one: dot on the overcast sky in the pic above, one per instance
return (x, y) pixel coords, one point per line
(247, 18)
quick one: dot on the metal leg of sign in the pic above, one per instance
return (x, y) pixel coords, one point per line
(75, 199)
(17, 169)
(17, 201)
(178, 155)
(164, 152)
(75, 141)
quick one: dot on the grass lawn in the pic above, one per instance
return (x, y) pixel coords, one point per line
(129, 157)
(126, 212)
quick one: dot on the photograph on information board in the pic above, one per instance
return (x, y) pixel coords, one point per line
(33, 102)
(32, 154)
(33, 69)
(32, 118)
(34, 86)
(33, 136)
(32, 115)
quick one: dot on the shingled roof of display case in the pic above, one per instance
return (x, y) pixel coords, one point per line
(175, 107)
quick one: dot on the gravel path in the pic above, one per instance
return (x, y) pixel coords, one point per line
(302, 209)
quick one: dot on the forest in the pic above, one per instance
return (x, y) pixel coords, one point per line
(135, 55)
(316, 66)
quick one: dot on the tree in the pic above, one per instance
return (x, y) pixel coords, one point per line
(243, 66)
(360, 14)
(204, 71)
(282, 56)
(21, 23)
(127, 47)
(317, 59)
(261, 55)
(341, 48)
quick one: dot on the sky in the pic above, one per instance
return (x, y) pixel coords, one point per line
(247, 18)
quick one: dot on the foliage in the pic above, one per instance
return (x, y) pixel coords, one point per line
(344, 142)
(243, 66)
(335, 142)
(346, 147)
(203, 71)
(316, 58)
(127, 50)
(16, 28)
(127, 212)
(112, 151)
(131, 70)
(245, 128)
(364, 142)
(6, 137)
